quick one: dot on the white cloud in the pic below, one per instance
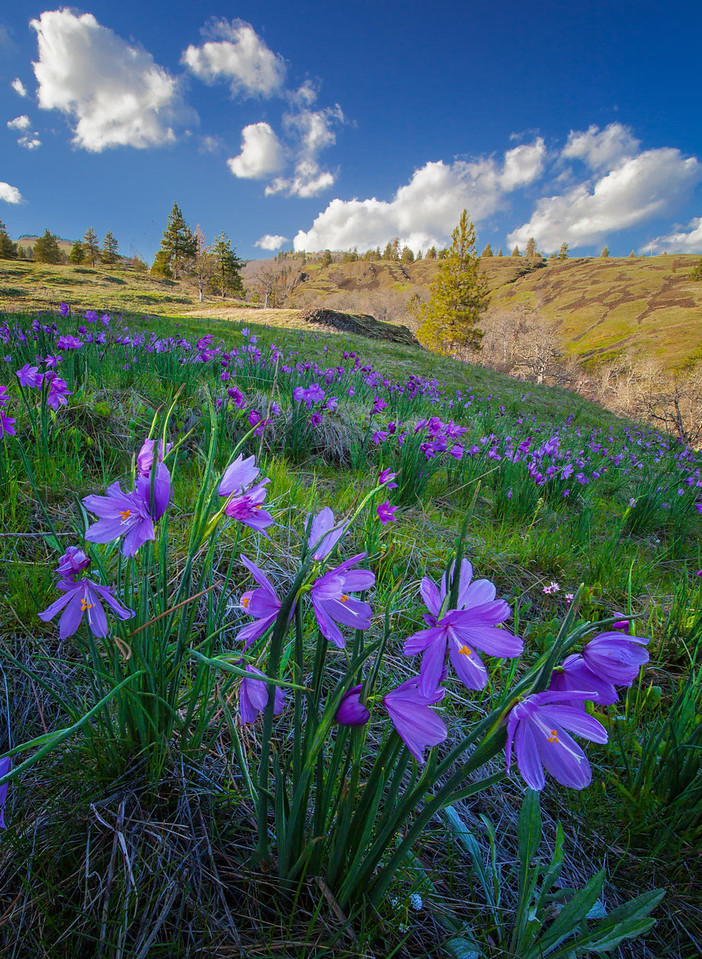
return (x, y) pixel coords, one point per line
(312, 131)
(600, 149)
(683, 241)
(115, 92)
(10, 194)
(19, 87)
(424, 211)
(20, 123)
(271, 241)
(637, 189)
(261, 153)
(30, 142)
(239, 55)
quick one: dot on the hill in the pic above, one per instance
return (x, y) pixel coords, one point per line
(28, 240)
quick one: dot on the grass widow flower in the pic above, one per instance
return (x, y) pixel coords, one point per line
(253, 696)
(262, 603)
(247, 507)
(323, 535)
(332, 603)
(575, 675)
(415, 722)
(84, 598)
(616, 658)
(351, 711)
(120, 515)
(538, 731)
(469, 627)
(386, 513)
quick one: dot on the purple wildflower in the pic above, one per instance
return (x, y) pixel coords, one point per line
(7, 424)
(324, 535)
(84, 598)
(253, 697)
(58, 391)
(385, 478)
(386, 513)
(73, 562)
(29, 376)
(574, 675)
(409, 710)
(121, 514)
(537, 729)
(238, 475)
(262, 603)
(161, 491)
(351, 711)
(332, 603)
(472, 625)
(145, 456)
(5, 767)
(247, 507)
(615, 658)
(64, 309)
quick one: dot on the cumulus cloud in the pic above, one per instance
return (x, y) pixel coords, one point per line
(19, 87)
(116, 94)
(20, 123)
(424, 211)
(311, 131)
(682, 241)
(600, 149)
(30, 142)
(271, 241)
(261, 153)
(236, 53)
(10, 194)
(639, 188)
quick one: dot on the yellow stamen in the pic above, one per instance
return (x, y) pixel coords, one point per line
(125, 514)
(465, 651)
(85, 605)
(343, 598)
(553, 738)
(245, 602)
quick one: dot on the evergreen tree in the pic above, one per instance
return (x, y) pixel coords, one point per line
(8, 249)
(46, 249)
(387, 252)
(531, 249)
(632, 255)
(407, 256)
(563, 252)
(162, 265)
(178, 244)
(487, 251)
(431, 253)
(22, 253)
(515, 251)
(605, 252)
(395, 249)
(109, 249)
(91, 246)
(419, 255)
(227, 267)
(458, 296)
(499, 252)
(76, 255)
(326, 258)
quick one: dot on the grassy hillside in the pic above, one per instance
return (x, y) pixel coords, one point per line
(155, 810)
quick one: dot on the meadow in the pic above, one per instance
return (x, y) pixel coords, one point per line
(225, 549)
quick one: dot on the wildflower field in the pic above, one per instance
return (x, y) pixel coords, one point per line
(316, 647)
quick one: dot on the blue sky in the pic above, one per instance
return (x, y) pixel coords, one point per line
(312, 125)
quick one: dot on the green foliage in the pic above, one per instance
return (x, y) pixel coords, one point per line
(76, 255)
(178, 244)
(431, 253)
(487, 251)
(515, 251)
(109, 249)
(550, 920)
(162, 265)
(8, 249)
(46, 249)
(563, 252)
(407, 256)
(326, 258)
(695, 272)
(605, 252)
(531, 251)
(91, 246)
(226, 276)
(458, 296)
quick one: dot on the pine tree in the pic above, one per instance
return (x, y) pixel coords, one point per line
(91, 246)
(395, 249)
(8, 249)
(531, 248)
(227, 267)
(458, 296)
(515, 251)
(387, 252)
(487, 251)
(76, 255)
(46, 249)
(178, 244)
(632, 255)
(563, 252)
(109, 249)
(161, 265)
(204, 263)
(407, 256)
(499, 252)
(605, 252)
(431, 253)
(326, 258)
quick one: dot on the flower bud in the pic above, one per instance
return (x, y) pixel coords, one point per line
(351, 711)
